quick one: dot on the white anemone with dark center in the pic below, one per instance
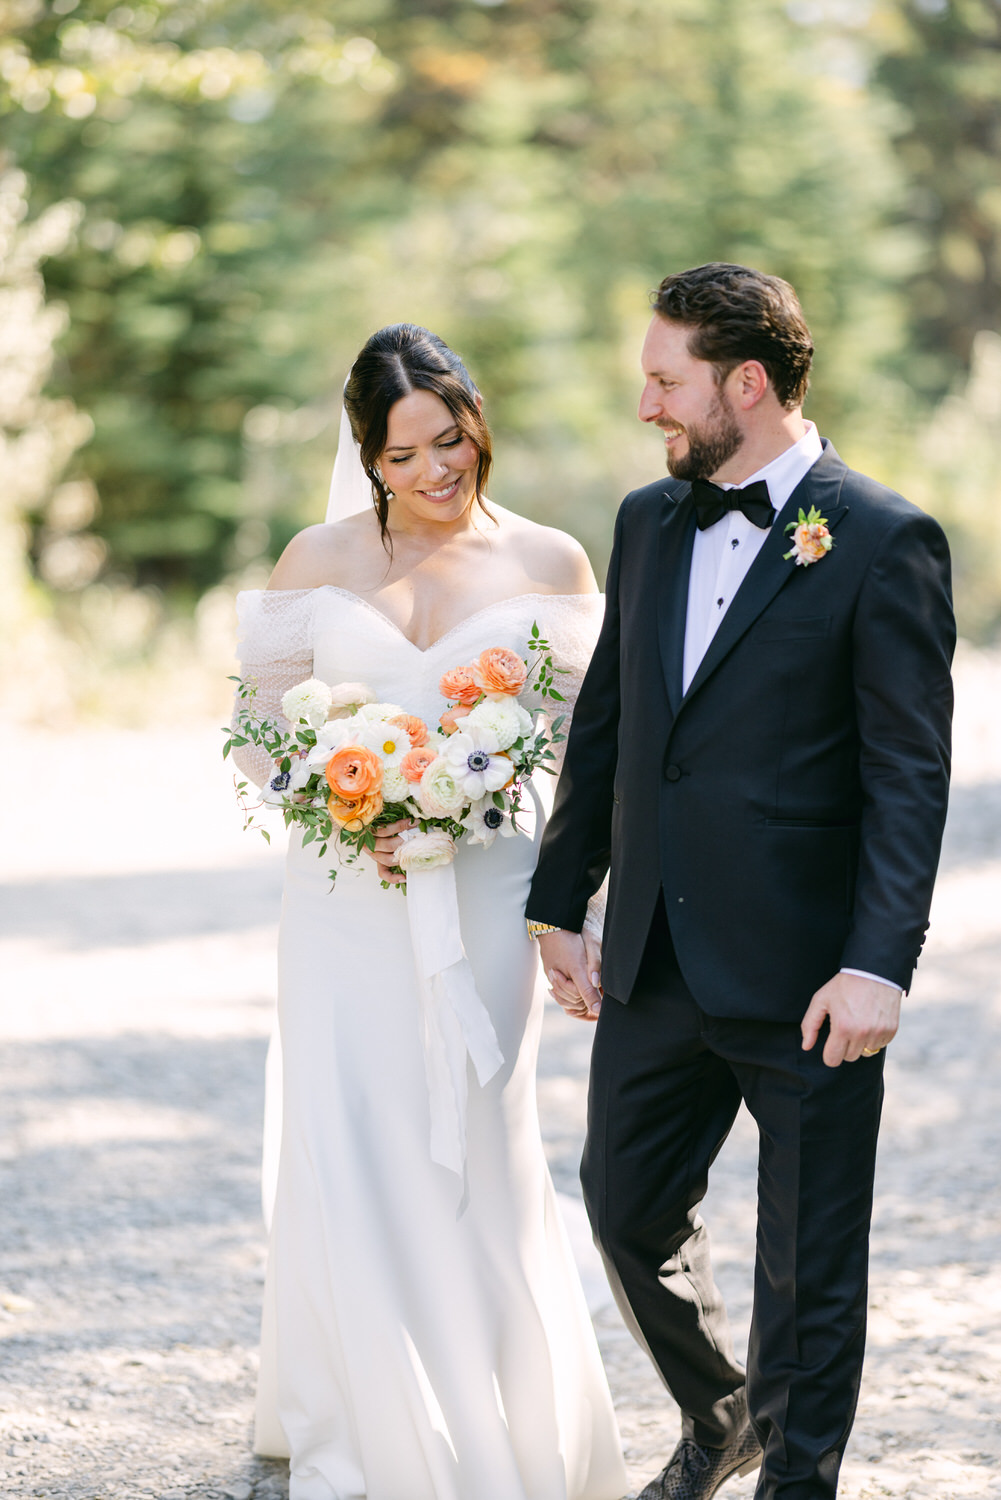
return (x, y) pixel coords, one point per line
(484, 821)
(475, 762)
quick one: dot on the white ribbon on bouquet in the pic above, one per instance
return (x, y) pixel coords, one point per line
(455, 1024)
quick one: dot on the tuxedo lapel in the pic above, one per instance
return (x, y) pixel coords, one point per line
(674, 563)
(770, 570)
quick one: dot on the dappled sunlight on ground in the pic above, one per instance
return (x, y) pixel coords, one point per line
(137, 928)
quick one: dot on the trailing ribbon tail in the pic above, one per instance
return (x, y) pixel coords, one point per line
(455, 1022)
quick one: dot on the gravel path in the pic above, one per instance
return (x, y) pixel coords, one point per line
(137, 954)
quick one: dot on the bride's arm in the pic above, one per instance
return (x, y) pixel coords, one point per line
(276, 653)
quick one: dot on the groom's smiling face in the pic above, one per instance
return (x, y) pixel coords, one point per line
(682, 397)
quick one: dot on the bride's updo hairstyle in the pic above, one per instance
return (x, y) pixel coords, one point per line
(396, 361)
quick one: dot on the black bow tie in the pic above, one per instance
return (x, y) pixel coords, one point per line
(712, 503)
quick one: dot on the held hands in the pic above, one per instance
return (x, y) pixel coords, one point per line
(572, 964)
(863, 1013)
(387, 844)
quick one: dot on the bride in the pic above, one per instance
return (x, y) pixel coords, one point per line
(425, 1335)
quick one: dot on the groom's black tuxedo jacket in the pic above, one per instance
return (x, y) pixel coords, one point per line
(791, 803)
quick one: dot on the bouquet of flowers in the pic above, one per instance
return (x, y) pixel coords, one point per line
(348, 765)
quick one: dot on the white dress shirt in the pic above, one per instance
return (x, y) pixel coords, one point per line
(722, 556)
(723, 553)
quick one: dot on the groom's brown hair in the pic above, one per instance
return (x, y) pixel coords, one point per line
(736, 313)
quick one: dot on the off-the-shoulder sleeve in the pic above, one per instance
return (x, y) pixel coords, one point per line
(275, 647)
(571, 624)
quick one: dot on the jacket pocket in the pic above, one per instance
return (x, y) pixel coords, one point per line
(814, 823)
(811, 628)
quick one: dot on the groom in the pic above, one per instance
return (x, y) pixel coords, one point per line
(760, 752)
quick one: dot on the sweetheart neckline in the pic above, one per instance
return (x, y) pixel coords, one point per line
(425, 650)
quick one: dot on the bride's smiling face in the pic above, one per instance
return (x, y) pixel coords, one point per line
(428, 462)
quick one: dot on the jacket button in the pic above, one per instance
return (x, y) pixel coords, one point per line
(673, 773)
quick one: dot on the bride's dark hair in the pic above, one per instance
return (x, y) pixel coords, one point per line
(396, 361)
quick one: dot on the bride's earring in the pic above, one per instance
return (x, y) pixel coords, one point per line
(382, 481)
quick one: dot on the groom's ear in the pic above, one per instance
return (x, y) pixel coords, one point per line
(748, 383)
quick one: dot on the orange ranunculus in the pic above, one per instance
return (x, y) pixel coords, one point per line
(416, 761)
(353, 772)
(498, 670)
(449, 720)
(414, 727)
(354, 813)
(811, 542)
(459, 686)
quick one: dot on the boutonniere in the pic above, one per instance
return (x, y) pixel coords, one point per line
(811, 539)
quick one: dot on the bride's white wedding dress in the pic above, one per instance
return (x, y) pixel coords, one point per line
(422, 1339)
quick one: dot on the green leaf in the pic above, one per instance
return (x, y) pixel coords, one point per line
(265, 835)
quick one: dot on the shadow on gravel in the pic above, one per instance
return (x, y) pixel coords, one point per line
(120, 911)
(220, 1078)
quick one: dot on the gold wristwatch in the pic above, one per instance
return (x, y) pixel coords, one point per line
(534, 928)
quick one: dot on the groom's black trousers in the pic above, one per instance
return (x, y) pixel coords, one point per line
(666, 1083)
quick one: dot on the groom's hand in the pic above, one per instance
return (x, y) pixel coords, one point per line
(862, 1013)
(571, 965)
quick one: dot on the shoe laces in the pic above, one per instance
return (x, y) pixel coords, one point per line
(690, 1459)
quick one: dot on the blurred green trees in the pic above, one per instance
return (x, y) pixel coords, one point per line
(941, 60)
(259, 186)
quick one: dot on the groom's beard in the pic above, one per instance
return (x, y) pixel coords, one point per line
(709, 445)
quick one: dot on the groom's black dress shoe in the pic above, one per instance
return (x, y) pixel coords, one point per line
(695, 1473)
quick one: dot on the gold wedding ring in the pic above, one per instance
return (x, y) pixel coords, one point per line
(870, 1051)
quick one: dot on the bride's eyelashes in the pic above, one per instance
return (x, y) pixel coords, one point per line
(452, 443)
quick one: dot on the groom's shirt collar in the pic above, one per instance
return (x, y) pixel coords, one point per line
(723, 553)
(783, 474)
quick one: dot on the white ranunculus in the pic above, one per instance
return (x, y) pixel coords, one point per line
(503, 716)
(485, 820)
(438, 793)
(378, 713)
(309, 703)
(424, 851)
(388, 741)
(474, 762)
(348, 697)
(395, 786)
